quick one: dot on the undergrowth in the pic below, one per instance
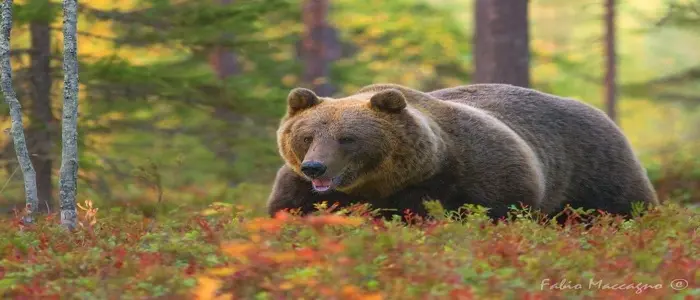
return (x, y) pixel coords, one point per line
(226, 252)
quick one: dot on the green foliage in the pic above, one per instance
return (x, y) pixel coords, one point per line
(169, 103)
(407, 41)
(35, 11)
(224, 129)
(680, 83)
(161, 101)
(684, 14)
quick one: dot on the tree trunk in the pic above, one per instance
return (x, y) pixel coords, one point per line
(42, 121)
(225, 64)
(222, 60)
(319, 47)
(17, 129)
(68, 180)
(610, 61)
(501, 42)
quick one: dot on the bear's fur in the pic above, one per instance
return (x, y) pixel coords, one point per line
(494, 145)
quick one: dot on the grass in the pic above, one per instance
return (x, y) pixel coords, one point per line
(229, 252)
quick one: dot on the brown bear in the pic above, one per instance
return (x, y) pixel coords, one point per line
(494, 145)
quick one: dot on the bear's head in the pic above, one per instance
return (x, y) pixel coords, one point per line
(371, 142)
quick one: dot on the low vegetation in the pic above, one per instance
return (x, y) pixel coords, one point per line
(229, 252)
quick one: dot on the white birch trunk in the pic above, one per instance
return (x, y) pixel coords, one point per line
(17, 131)
(68, 180)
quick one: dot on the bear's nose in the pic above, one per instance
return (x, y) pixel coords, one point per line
(313, 169)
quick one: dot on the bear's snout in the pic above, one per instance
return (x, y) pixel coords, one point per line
(313, 169)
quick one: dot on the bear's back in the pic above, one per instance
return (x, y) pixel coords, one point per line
(585, 156)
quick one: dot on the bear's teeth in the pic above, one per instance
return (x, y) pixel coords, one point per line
(322, 188)
(321, 184)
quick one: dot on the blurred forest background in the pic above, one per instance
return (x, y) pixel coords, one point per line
(179, 100)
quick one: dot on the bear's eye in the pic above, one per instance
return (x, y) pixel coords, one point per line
(308, 139)
(346, 140)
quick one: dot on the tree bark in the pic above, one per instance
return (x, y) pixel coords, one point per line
(17, 129)
(222, 60)
(68, 181)
(501, 42)
(319, 47)
(610, 61)
(225, 64)
(42, 121)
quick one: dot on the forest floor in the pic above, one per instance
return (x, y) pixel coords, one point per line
(228, 252)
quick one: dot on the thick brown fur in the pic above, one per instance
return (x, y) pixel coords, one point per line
(494, 145)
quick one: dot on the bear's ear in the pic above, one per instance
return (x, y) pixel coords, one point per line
(390, 100)
(300, 99)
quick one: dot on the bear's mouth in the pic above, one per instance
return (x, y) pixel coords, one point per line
(324, 184)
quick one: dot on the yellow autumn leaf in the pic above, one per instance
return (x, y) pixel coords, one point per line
(236, 249)
(407, 77)
(167, 123)
(286, 285)
(375, 32)
(209, 212)
(364, 56)
(407, 20)
(215, 208)
(224, 271)
(282, 56)
(374, 296)
(349, 290)
(412, 50)
(398, 42)
(426, 69)
(289, 80)
(284, 257)
(335, 220)
(353, 292)
(206, 288)
(377, 66)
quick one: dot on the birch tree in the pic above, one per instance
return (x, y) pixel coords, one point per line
(68, 180)
(17, 129)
